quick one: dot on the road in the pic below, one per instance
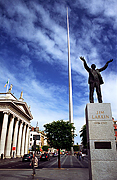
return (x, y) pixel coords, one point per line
(66, 162)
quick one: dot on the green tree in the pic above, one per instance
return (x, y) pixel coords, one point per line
(76, 147)
(60, 135)
(45, 148)
(83, 135)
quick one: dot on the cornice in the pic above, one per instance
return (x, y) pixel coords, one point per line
(25, 106)
(13, 104)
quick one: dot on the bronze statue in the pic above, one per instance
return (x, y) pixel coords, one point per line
(21, 96)
(10, 88)
(95, 79)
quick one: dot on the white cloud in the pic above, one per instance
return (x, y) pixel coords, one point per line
(109, 90)
(25, 61)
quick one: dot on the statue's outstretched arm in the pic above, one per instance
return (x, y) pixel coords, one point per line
(109, 61)
(106, 65)
(82, 58)
(85, 64)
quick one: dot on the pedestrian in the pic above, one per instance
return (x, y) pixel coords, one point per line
(36, 162)
(13, 154)
(32, 164)
(83, 156)
(80, 155)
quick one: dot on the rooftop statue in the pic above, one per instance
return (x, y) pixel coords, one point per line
(10, 88)
(21, 96)
(95, 79)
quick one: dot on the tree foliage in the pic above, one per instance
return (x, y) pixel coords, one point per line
(76, 147)
(45, 148)
(60, 134)
(83, 135)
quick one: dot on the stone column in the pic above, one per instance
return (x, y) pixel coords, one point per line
(27, 140)
(15, 138)
(9, 137)
(3, 133)
(19, 140)
(23, 139)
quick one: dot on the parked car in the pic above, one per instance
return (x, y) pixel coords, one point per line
(45, 157)
(55, 154)
(51, 154)
(27, 157)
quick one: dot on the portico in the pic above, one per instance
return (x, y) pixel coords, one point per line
(15, 117)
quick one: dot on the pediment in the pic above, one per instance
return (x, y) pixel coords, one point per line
(24, 107)
(10, 100)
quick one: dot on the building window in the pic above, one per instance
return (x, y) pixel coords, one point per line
(30, 139)
(37, 137)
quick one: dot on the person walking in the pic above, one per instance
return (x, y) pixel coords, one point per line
(32, 164)
(80, 155)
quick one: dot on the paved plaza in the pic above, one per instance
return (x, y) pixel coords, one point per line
(10, 169)
(46, 174)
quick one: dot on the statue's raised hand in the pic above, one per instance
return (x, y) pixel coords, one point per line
(109, 61)
(82, 58)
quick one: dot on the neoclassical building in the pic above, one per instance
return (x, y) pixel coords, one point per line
(15, 117)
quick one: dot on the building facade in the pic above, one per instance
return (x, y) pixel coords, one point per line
(40, 137)
(15, 117)
(43, 139)
(34, 135)
(115, 129)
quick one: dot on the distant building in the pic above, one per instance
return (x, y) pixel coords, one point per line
(39, 136)
(115, 129)
(15, 117)
(43, 139)
(34, 135)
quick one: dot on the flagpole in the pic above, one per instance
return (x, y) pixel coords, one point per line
(7, 86)
(70, 81)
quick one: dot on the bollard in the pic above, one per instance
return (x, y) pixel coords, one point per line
(2, 156)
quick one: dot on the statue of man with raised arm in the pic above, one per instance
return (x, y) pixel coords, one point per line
(95, 79)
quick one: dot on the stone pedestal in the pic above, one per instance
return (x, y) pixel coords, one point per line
(101, 142)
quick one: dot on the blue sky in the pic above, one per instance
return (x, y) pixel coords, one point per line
(33, 54)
